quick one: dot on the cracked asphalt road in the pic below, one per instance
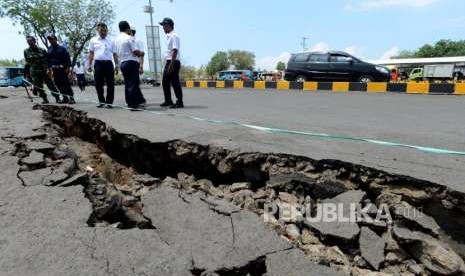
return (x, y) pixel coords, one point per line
(44, 229)
(425, 120)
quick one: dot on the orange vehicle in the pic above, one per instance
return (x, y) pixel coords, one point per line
(394, 74)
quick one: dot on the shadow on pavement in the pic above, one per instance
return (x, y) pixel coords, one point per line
(156, 107)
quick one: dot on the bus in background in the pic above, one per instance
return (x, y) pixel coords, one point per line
(243, 75)
(11, 76)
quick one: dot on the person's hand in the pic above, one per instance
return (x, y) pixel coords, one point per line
(141, 70)
(50, 73)
(116, 70)
(170, 68)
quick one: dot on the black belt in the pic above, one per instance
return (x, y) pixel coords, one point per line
(129, 61)
(103, 61)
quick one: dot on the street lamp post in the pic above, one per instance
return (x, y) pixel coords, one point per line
(149, 9)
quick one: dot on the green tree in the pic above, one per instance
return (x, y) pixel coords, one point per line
(241, 59)
(281, 66)
(37, 17)
(79, 22)
(218, 62)
(200, 72)
(70, 20)
(187, 72)
(10, 62)
(442, 48)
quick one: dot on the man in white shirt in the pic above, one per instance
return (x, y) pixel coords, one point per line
(80, 71)
(172, 67)
(140, 45)
(128, 54)
(102, 52)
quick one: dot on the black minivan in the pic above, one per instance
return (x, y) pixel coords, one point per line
(333, 66)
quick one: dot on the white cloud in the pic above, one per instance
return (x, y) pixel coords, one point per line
(355, 51)
(381, 4)
(323, 47)
(320, 46)
(269, 63)
(394, 51)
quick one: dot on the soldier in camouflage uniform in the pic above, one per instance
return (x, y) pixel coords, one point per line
(36, 61)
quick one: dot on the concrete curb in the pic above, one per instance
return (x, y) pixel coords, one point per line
(342, 87)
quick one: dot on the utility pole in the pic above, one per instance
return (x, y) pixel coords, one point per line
(304, 43)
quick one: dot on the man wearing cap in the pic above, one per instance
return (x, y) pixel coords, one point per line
(102, 51)
(59, 64)
(128, 54)
(140, 45)
(172, 67)
(36, 60)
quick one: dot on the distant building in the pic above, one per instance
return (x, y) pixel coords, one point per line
(408, 64)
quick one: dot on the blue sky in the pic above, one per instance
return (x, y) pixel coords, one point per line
(272, 29)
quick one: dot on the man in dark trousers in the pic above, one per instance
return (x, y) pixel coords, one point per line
(80, 72)
(59, 64)
(102, 52)
(172, 67)
(128, 55)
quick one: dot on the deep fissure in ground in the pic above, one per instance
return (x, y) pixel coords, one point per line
(297, 176)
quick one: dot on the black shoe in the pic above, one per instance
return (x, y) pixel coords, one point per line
(166, 104)
(177, 105)
(100, 105)
(109, 106)
(72, 101)
(45, 101)
(134, 107)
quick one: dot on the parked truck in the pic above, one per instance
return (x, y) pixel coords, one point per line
(441, 72)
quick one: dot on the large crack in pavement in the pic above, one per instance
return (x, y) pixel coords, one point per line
(252, 180)
(100, 247)
(179, 208)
